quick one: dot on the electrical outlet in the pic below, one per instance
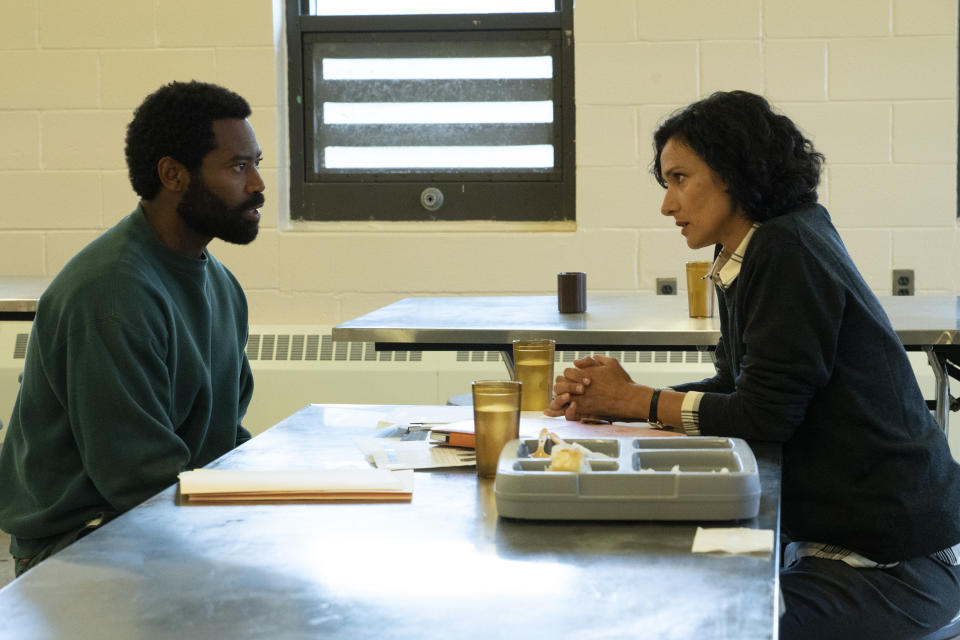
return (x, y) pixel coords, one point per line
(666, 286)
(903, 282)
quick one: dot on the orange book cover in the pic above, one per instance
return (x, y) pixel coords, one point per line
(465, 439)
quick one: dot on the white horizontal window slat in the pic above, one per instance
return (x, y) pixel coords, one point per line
(540, 111)
(459, 68)
(470, 157)
(422, 7)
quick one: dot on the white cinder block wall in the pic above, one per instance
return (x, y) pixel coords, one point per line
(872, 81)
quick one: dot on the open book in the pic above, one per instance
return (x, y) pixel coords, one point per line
(216, 486)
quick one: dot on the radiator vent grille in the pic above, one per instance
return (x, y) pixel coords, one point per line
(269, 346)
(285, 346)
(20, 346)
(641, 357)
(322, 347)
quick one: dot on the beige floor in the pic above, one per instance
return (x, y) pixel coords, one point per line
(6, 562)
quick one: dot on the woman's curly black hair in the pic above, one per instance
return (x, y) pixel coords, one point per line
(766, 163)
(177, 121)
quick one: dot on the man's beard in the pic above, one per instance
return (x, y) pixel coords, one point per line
(207, 214)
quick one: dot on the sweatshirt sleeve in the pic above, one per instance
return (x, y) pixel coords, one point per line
(118, 388)
(246, 393)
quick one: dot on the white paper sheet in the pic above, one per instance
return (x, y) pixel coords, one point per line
(426, 415)
(393, 454)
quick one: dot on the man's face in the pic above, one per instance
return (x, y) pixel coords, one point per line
(698, 200)
(224, 194)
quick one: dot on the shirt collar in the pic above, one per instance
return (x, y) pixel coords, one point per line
(726, 267)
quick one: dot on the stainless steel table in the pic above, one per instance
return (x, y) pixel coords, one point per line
(19, 295)
(928, 323)
(442, 566)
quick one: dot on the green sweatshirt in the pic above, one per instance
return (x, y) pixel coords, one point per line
(135, 371)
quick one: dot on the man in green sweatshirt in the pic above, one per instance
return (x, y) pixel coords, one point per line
(136, 367)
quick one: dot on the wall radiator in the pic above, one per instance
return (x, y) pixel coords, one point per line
(295, 365)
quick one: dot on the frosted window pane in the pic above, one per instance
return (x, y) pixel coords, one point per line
(437, 112)
(505, 157)
(437, 68)
(408, 7)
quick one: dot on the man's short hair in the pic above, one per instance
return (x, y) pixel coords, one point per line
(177, 121)
(767, 165)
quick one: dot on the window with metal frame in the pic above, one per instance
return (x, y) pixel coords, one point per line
(414, 110)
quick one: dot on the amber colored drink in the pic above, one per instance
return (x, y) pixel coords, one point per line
(699, 290)
(496, 421)
(495, 426)
(533, 366)
(537, 379)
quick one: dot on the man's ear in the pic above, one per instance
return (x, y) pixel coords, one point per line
(173, 175)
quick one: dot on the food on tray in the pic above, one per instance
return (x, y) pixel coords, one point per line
(566, 456)
(567, 459)
(540, 453)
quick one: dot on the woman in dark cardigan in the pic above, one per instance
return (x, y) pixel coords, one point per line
(807, 358)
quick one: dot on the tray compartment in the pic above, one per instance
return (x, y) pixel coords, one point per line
(683, 443)
(531, 464)
(608, 447)
(603, 465)
(541, 464)
(690, 461)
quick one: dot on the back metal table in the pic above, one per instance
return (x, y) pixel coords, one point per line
(927, 323)
(19, 295)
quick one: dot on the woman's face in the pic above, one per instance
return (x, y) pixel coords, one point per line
(698, 200)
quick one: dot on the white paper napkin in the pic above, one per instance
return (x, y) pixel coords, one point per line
(733, 540)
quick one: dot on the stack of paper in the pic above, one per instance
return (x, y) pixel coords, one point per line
(391, 453)
(239, 486)
(532, 422)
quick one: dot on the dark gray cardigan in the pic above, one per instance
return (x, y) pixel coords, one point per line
(807, 357)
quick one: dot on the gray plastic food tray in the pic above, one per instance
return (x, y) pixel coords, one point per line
(665, 478)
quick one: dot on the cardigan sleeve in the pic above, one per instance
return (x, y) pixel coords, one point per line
(722, 382)
(786, 309)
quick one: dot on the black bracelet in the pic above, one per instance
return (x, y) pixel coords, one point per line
(652, 417)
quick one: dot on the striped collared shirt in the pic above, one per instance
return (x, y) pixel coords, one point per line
(723, 272)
